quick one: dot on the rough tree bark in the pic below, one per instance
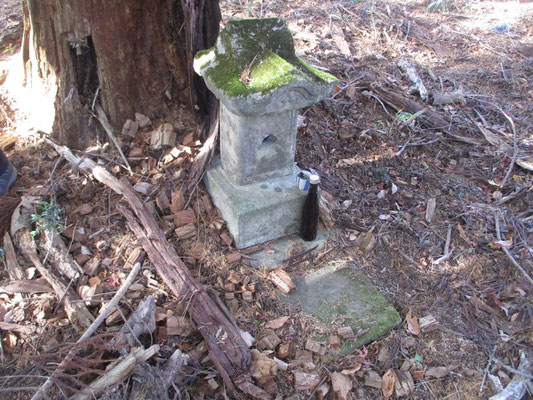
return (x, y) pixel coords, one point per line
(132, 56)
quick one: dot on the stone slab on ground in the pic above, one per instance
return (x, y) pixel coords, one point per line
(333, 293)
(258, 212)
(273, 254)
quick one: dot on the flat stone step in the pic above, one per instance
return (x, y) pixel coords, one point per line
(333, 293)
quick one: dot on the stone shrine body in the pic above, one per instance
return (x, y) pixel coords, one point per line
(261, 83)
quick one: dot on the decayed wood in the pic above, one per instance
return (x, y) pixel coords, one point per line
(401, 103)
(118, 373)
(43, 390)
(59, 256)
(77, 313)
(282, 280)
(14, 270)
(227, 349)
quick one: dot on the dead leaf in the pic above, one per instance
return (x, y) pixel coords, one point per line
(387, 383)
(276, 323)
(412, 324)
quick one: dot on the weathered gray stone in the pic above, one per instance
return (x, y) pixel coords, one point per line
(257, 148)
(346, 294)
(261, 83)
(257, 212)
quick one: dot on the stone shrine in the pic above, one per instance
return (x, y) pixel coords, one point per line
(261, 83)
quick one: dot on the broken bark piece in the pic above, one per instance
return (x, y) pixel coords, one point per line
(185, 232)
(269, 341)
(206, 201)
(346, 332)
(322, 391)
(91, 294)
(315, 347)
(265, 367)
(437, 372)
(143, 120)
(143, 187)
(162, 201)
(130, 128)
(92, 266)
(428, 323)
(247, 296)
(177, 202)
(163, 136)
(404, 384)
(26, 286)
(179, 326)
(14, 270)
(341, 385)
(334, 341)
(305, 381)
(286, 350)
(372, 379)
(282, 280)
(184, 217)
(226, 238)
(233, 257)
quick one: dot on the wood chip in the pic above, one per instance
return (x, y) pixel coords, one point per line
(305, 381)
(233, 257)
(163, 136)
(334, 341)
(282, 280)
(162, 201)
(346, 332)
(143, 120)
(341, 385)
(185, 232)
(277, 323)
(372, 379)
(179, 326)
(430, 209)
(428, 323)
(184, 217)
(226, 238)
(437, 372)
(177, 202)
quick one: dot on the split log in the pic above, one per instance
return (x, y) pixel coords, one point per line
(433, 120)
(227, 349)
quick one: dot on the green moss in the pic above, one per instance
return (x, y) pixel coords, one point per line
(270, 44)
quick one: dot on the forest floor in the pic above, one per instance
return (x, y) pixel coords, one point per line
(403, 190)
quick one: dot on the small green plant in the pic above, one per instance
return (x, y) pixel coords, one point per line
(49, 218)
(8, 48)
(435, 5)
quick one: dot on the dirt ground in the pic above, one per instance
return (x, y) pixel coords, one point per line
(439, 216)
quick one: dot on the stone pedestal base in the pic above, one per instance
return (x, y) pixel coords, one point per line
(257, 212)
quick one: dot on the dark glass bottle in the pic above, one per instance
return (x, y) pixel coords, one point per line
(310, 211)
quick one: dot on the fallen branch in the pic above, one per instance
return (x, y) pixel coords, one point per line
(118, 373)
(102, 118)
(227, 348)
(447, 252)
(518, 386)
(432, 119)
(77, 312)
(43, 390)
(508, 254)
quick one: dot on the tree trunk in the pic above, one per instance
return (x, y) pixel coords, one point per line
(129, 56)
